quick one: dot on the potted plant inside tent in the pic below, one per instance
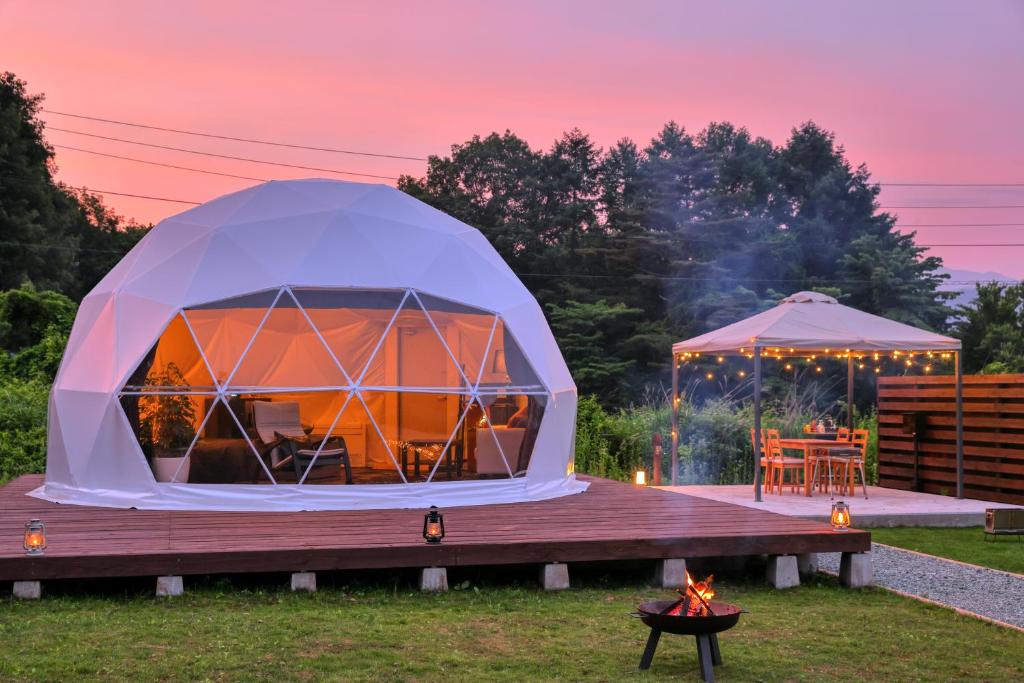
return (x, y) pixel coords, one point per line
(167, 423)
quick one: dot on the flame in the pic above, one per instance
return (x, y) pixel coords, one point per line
(701, 588)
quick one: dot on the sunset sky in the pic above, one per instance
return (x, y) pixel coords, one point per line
(919, 91)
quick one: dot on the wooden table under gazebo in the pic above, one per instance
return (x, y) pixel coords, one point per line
(810, 325)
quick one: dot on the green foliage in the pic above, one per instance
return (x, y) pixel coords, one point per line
(616, 444)
(52, 236)
(22, 427)
(27, 314)
(166, 421)
(630, 248)
(714, 438)
(992, 330)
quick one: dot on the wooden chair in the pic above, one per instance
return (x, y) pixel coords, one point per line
(851, 464)
(843, 434)
(781, 464)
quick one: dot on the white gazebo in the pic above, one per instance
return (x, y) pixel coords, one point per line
(310, 344)
(810, 324)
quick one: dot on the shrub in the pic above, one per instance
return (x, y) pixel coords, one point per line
(22, 427)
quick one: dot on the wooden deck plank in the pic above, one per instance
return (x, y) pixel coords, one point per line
(611, 521)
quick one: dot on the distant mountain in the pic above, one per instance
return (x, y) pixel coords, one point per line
(963, 282)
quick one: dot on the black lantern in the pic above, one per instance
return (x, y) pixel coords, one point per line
(35, 537)
(433, 525)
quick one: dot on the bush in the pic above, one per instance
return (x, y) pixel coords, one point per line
(22, 427)
(614, 445)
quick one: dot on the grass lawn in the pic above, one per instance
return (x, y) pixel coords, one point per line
(963, 544)
(220, 631)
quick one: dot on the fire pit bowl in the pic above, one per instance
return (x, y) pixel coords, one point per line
(725, 617)
(703, 626)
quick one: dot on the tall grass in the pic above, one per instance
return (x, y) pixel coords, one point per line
(714, 436)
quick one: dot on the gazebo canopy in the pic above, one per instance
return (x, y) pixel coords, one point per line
(807, 323)
(813, 321)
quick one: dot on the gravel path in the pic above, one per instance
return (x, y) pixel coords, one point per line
(985, 592)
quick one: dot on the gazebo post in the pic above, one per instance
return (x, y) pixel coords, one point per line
(757, 424)
(958, 363)
(675, 419)
(849, 393)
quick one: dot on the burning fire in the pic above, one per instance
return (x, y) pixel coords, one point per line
(695, 601)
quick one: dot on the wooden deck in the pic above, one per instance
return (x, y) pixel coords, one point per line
(611, 521)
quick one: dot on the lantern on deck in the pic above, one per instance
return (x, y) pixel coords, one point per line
(640, 478)
(433, 525)
(840, 516)
(35, 537)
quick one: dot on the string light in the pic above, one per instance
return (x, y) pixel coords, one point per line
(789, 366)
(710, 376)
(720, 359)
(878, 370)
(817, 368)
(743, 373)
(927, 368)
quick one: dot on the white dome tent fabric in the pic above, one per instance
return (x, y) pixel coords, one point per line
(310, 344)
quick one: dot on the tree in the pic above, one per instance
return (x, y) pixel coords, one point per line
(632, 248)
(992, 329)
(54, 237)
(36, 216)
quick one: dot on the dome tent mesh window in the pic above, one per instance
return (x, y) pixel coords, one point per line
(335, 386)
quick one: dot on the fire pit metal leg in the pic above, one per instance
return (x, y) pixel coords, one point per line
(704, 657)
(652, 644)
(716, 654)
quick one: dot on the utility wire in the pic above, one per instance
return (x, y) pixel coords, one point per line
(235, 139)
(157, 163)
(932, 206)
(223, 156)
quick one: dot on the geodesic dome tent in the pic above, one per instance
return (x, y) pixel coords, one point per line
(310, 344)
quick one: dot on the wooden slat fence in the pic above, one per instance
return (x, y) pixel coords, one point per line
(993, 435)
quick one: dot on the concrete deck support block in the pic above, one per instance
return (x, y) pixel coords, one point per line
(28, 590)
(670, 573)
(782, 571)
(807, 564)
(304, 581)
(434, 579)
(555, 576)
(856, 570)
(169, 586)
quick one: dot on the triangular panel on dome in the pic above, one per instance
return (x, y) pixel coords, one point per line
(352, 322)
(413, 354)
(287, 352)
(365, 429)
(467, 332)
(173, 364)
(225, 328)
(506, 366)
(355, 448)
(508, 426)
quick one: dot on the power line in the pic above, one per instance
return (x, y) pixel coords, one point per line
(1005, 206)
(224, 156)
(157, 163)
(950, 184)
(959, 225)
(136, 196)
(235, 139)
